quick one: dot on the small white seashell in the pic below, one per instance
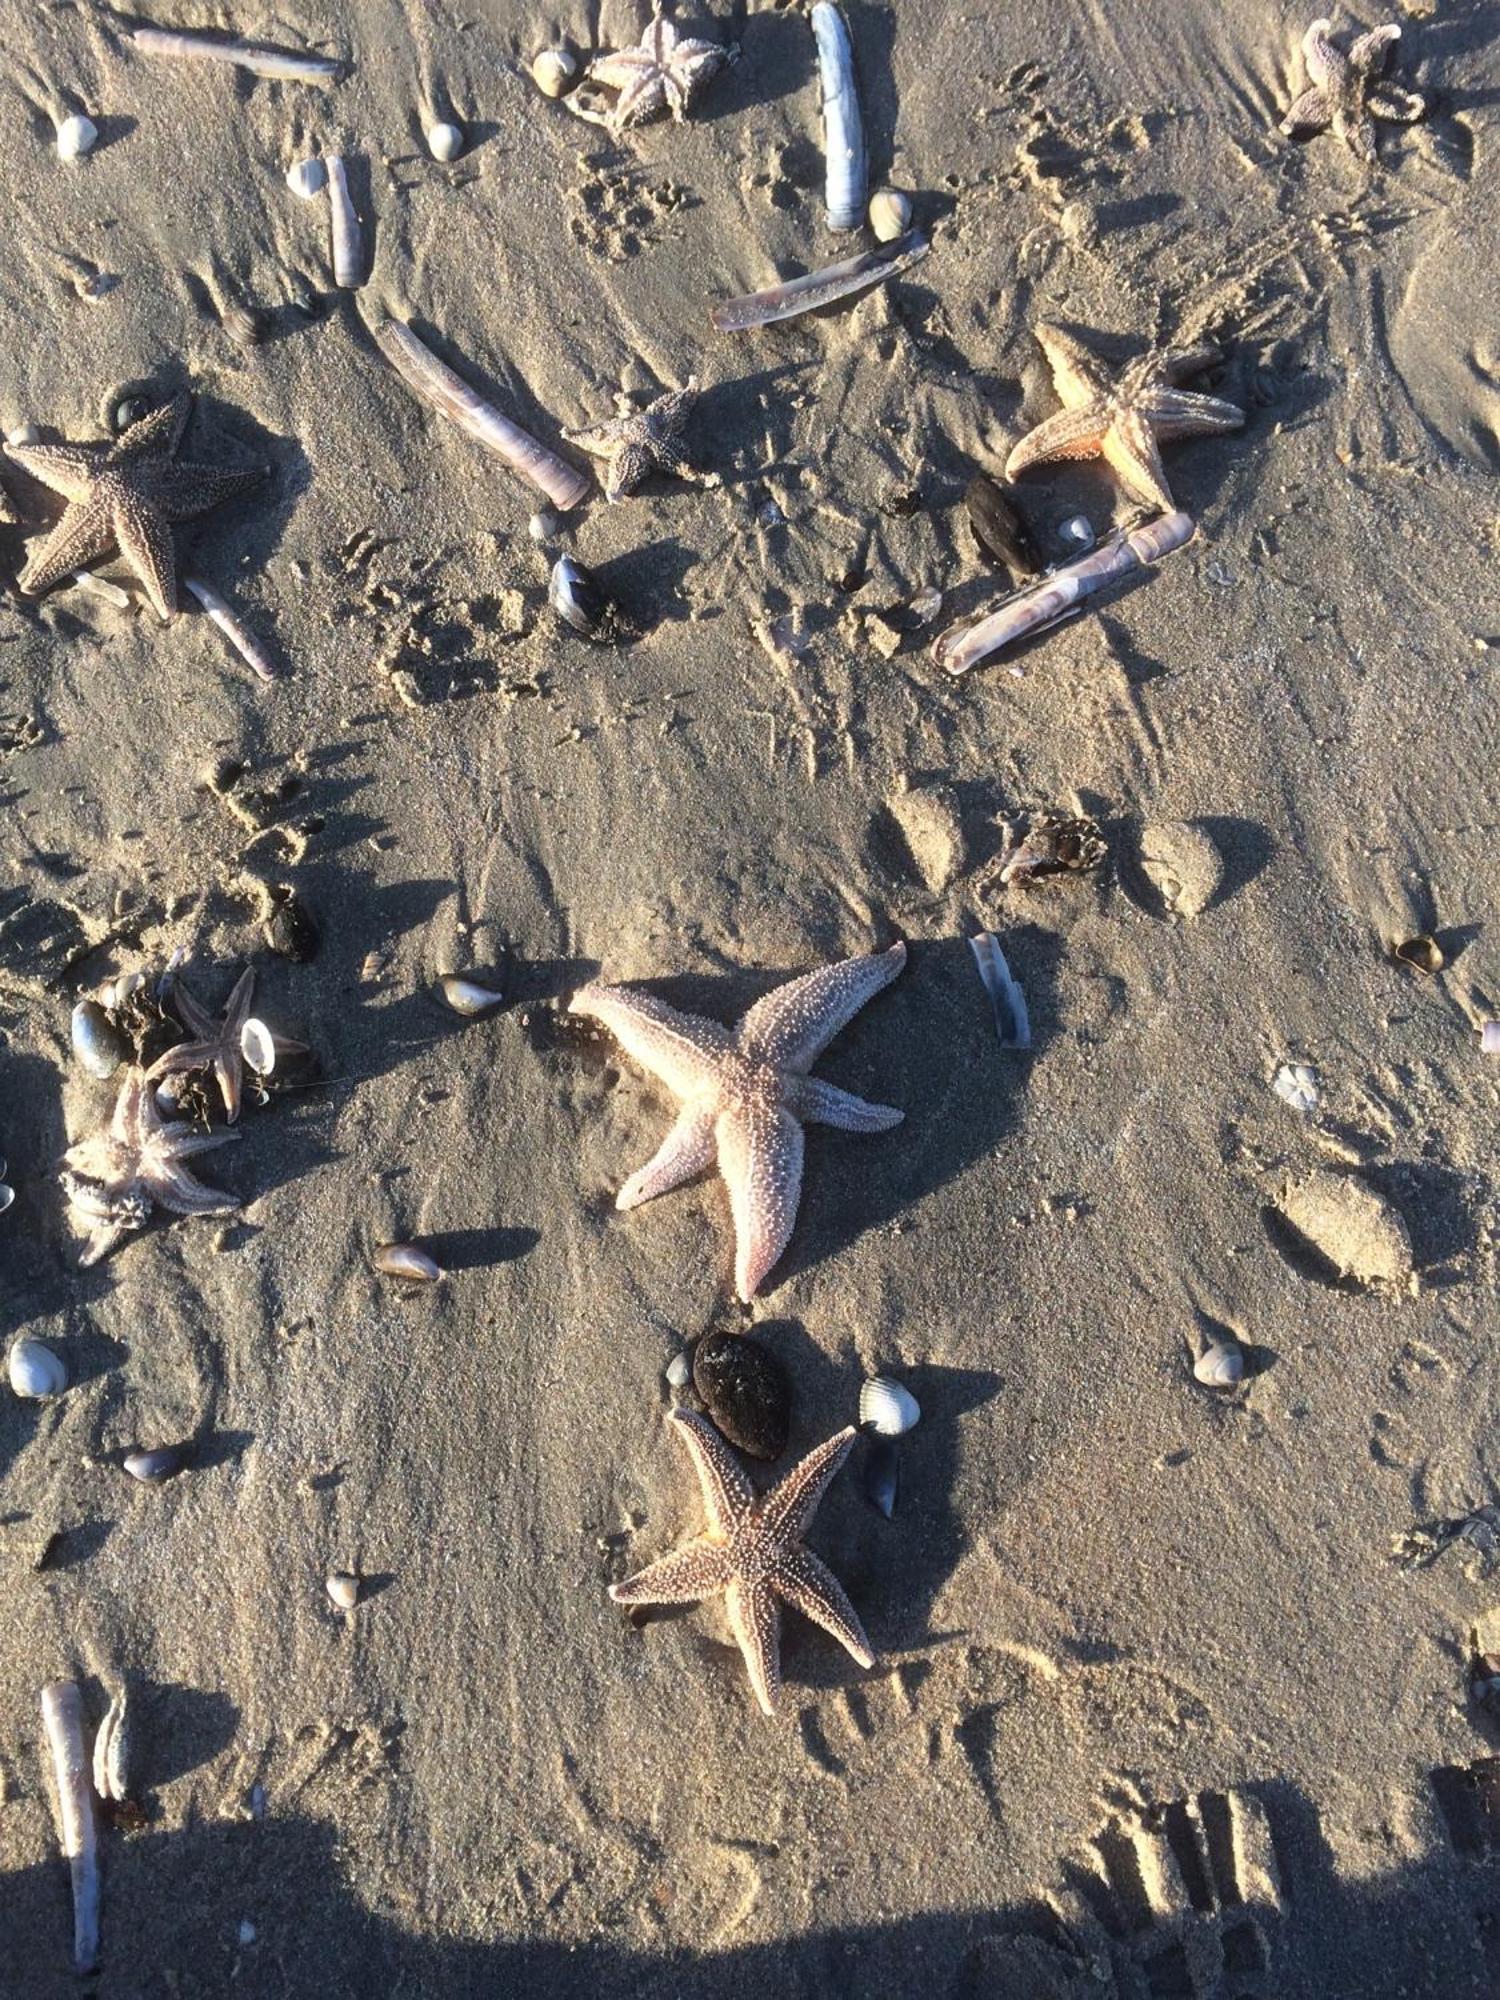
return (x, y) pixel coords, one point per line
(258, 1046)
(885, 1407)
(1489, 1039)
(112, 1748)
(543, 525)
(467, 996)
(553, 71)
(1221, 1365)
(76, 136)
(35, 1371)
(307, 177)
(890, 214)
(343, 1589)
(444, 141)
(405, 1260)
(1297, 1084)
(1078, 530)
(24, 434)
(680, 1370)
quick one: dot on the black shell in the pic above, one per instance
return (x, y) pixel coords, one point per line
(745, 1390)
(289, 929)
(152, 1467)
(998, 528)
(882, 1469)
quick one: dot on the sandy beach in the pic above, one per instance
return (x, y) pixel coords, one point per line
(1175, 1688)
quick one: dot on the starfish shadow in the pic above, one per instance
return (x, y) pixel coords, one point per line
(776, 60)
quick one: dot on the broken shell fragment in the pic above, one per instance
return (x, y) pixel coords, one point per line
(553, 71)
(890, 214)
(1008, 1002)
(886, 1408)
(307, 178)
(1422, 954)
(112, 1751)
(1052, 843)
(997, 527)
(1221, 1365)
(151, 1468)
(97, 1042)
(405, 1260)
(578, 599)
(445, 141)
(467, 996)
(35, 1371)
(820, 288)
(342, 1586)
(76, 136)
(1297, 1084)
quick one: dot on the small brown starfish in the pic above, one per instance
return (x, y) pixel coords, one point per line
(638, 442)
(115, 1179)
(752, 1552)
(215, 1045)
(1346, 93)
(1123, 424)
(746, 1093)
(126, 495)
(661, 73)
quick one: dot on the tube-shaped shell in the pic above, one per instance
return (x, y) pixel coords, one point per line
(244, 641)
(1007, 1001)
(436, 384)
(1065, 590)
(848, 171)
(348, 238)
(820, 288)
(62, 1718)
(290, 65)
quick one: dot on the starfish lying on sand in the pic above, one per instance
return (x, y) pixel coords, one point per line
(1123, 424)
(746, 1093)
(752, 1552)
(661, 73)
(126, 495)
(638, 442)
(116, 1179)
(1346, 92)
(215, 1045)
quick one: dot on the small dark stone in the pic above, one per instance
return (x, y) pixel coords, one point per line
(746, 1392)
(998, 528)
(152, 1467)
(129, 410)
(289, 929)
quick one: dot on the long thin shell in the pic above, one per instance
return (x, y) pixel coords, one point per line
(848, 172)
(964, 646)
(1012, 1020)
(437, 385)
(291, 65)
(348, 237)
(820, 288)
(244, 642)
(62, 1718)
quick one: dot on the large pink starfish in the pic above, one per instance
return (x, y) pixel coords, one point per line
(746, 1093)
(115, 1179)
(752, 1553)
(662, 72)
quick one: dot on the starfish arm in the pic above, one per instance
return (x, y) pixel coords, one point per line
(787, 1510)
(1076, 373)
(760, 1159)
(1065, 434)
(687, 1149)
(683, 1050)
(697, 1570)
(1174, 413)
(101, 1239)
(173, 1187)
(1369, 53)
(1395, 105)
(1131, 453)
(628, 464)
(1351, 123)
(1309, 113)
(791, 1026)
(183, 1143)
(660, 38)
(192, 1013)
(618, 69)
(1179, 362)
(229, 1074)
(810, 1586)
(819, 1103)
(184, 1057)
(638, 101)
(1324, 63)
(755, 1620)
(157, 434)
(727, 1493)
(80, 537)
(145, 542)
(135, 1118)
(598, 440)
(67, 469)
(237, 1006)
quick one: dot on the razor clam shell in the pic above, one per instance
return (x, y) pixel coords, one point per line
(848, 169)
(406, 1260)
(348, 238)
(1012, 1021)
(62, 1718)
(820, 288)
(887, 1408)
(290, 65)
(243, 641)
(112, 1748)
(437, 385)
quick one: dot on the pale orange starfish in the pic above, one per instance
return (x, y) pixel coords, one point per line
(752, 1554)
(1123, 424)
(1346, 92)
(746, 1093)
(115, 1179)
(663, 72)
